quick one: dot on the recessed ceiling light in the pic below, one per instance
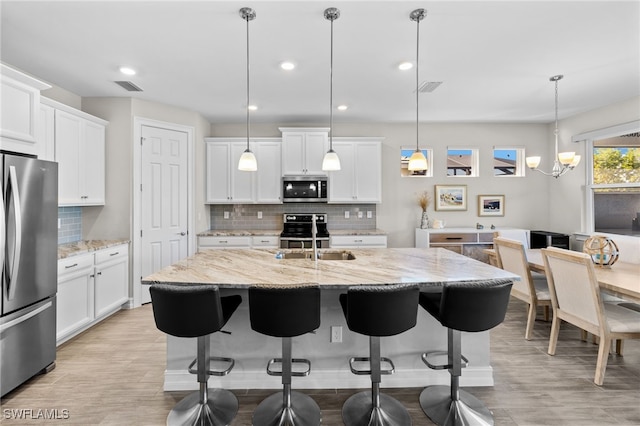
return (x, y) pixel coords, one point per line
(287, 66)
(405, 66)
(127, 71)
(252, 107)
(342, 107)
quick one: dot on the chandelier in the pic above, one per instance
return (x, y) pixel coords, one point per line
(563, 161)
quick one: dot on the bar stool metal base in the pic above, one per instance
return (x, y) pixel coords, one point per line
(437, 404)
(358, 410)
(220, 409)
(302, 411)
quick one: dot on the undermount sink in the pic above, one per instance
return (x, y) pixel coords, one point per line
(322, 255)
(336, 255)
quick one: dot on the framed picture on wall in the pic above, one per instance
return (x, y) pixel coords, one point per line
(450, 197)
(490, 205)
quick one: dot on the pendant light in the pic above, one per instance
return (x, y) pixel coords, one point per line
(418, 161)
(564, 161)
(248, 160)
(331, 161)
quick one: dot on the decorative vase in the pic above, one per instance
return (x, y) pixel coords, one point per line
(424, 222)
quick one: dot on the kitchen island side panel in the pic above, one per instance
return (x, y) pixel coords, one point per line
(329, 361)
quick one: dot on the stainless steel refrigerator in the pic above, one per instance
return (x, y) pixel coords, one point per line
(28, 249)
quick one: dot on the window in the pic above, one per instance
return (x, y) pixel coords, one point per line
(405, 154)
(615, 183)
(508, 161)
(462, 162)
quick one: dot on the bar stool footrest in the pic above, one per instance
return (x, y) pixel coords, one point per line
(368, 372)
(426, 355)
(224, 372)
(273, 361)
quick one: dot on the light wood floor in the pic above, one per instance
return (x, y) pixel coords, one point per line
(113, 374)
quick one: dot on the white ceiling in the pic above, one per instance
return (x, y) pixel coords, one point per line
(495, 58)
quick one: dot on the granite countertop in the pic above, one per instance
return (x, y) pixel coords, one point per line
(233, 268)
(276, 233)
(86, 246)
(357, 232)
(239, 232)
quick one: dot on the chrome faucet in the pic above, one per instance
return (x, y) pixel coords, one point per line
(314, 231)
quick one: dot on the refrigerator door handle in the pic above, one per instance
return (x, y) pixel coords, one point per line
(3, 234)
(7, 325)
(15, 267)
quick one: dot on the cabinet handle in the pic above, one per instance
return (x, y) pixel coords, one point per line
(264, 241)
(115, 253)
(71, 266)
(223, 241)
(92, 276)
(357, 241)
(181, 233)
(454, 238)
(99, 273)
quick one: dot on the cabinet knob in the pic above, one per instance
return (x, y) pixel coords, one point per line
(181, 233)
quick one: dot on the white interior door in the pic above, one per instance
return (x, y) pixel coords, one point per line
(164, 200)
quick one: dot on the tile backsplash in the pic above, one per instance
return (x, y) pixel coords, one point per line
(70, 220)
(245, 216)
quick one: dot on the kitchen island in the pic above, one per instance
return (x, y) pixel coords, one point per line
(235, 270)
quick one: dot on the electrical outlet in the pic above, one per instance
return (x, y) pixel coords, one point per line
(336, 334)
(369, 214)
(346, 214)
(359, 215)
(226, 215)
(259, 215)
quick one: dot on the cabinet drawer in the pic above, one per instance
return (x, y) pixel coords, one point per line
(111, 253)
(265, 241)
(359, 241)
(453, 238)
(75, 263)
(224, 242)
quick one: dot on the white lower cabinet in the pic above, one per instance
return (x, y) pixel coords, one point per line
(358, 241)
(90, 288)
(209, 243)
(238, 241)
(111, 284)
(75, 309)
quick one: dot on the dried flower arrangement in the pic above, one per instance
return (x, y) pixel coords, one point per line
(424, 200)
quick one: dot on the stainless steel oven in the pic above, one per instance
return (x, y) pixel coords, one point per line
(297, 231)
(304, 189)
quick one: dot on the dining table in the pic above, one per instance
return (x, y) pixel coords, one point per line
(621, 279)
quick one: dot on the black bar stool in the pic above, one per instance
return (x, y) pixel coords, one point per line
(376, 311)
(192, 310)
(286, 312)
(470, 307)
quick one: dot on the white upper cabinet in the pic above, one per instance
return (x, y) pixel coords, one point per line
(80, 153)
(226, 184)
(269, 174)
(360, 178)
(303, 150)
(20, 111)
(45, 133)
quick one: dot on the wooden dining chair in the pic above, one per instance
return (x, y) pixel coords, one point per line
(511, 256)
(576, 299)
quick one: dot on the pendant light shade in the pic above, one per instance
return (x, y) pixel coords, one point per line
(248, 160)
(331, 161)
(417, 162)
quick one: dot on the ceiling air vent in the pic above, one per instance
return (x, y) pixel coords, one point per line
(129, 86)
(428, 86)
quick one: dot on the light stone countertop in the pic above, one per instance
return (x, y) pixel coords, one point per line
(241, 268)
(239, 232)
(357, 232)
(86, 246)
(266, 232)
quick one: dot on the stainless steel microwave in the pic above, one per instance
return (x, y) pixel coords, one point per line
(304, 189)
